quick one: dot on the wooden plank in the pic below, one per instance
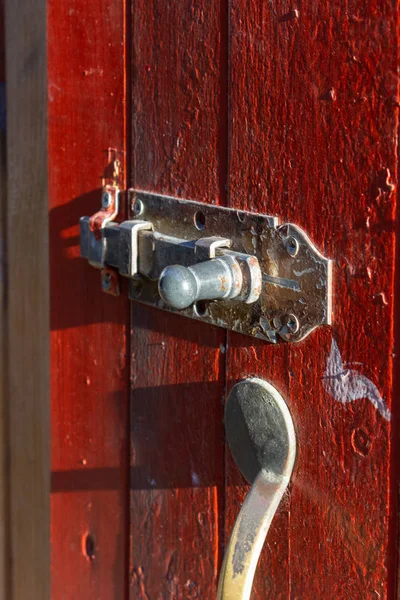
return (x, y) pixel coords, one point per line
(5, 554)
(177, 369)
(313, 134)
(89, 377)
(26, 309)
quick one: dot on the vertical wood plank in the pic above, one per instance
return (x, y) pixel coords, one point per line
(26, 319)
(178, 135)
(313, 138)
(89, 377)
(4, 471)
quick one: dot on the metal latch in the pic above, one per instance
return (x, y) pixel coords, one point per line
(230, 268)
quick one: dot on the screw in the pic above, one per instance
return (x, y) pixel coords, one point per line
(292, 323)
(106, 200)
(292, 246)
(137, 207)
(106, 282)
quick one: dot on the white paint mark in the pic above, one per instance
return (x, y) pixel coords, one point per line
(347, 385)
(195, 479)
(51, 88)
(222, 348)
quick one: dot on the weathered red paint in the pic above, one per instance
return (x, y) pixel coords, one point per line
(177, 366)
(313, 139)
(88, 341)
(306, 118)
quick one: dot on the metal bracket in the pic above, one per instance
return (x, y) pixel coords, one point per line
(235, 269)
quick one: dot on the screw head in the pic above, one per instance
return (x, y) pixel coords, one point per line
(292, 323)
(137, 207)
(106, 199)
(106, 282)
(292, 246)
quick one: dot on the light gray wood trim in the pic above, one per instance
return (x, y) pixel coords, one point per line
(26, 310)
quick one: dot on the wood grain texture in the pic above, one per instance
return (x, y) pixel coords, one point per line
(176, 453)
(26, 316)
(89, 377)
(177, 367)
(5, 554)
(313, 138)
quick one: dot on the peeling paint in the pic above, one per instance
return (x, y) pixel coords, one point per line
(347, 385)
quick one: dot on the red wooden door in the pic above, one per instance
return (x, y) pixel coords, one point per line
(288, 110)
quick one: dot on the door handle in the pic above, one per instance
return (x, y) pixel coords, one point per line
(262, 440)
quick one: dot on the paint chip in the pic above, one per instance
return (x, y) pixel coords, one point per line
(347, 385)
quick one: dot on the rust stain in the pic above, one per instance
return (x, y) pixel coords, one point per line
(105, 214)
(223, 283)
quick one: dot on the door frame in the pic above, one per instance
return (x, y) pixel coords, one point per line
(24, 335)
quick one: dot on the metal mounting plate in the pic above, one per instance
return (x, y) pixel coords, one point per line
(296, 290)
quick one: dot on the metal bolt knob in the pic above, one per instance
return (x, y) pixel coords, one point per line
(219, 278)
(178, 286)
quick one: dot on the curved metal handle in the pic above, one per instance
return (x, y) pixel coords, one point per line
(262, 440)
